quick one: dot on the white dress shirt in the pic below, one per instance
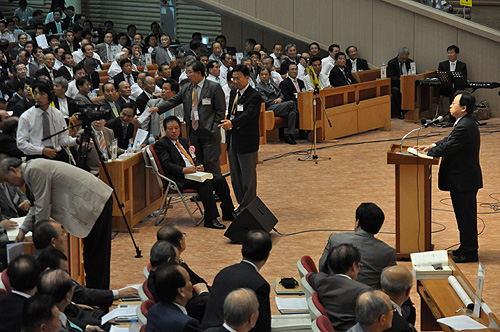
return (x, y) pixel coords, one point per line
(327, 63)
(63, 106)
(322, 80)
(30, 131)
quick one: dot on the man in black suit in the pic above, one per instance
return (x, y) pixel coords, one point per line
(460, 172)
(340, 75)
(22, 99)
(204, 108)
(291, 85)
(20, 72)
(90, 65)
(241, 310)
(109, 103)
(354, 63)
(174, 156)
(66, 70)
(125, 91)
(126, 75)
(40, 314)
(397, 67)
(147, 94)
(8, 144)
(397, 282)
(48, 68)
(23, 275)
(221, 39)
(452, 64)
(122, 126)
(242, 131)
(69, 43)
(339, 292)
(66, 105)
(58, 26)
(165, 72)
(255, 250)
(13, 202)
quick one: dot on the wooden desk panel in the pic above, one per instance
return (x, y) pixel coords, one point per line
(418, 100)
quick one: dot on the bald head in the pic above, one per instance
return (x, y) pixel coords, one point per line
(374, 311)
(241, 309)
(397, 281)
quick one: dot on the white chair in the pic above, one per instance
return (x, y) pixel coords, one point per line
(313, 310)
(142, 295)
(169, 187)
(308, 290)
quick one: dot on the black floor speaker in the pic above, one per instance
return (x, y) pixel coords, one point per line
(256, 216)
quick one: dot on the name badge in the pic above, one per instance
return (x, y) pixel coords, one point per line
(206, 101)
(196, 115)
(295, 95)
(239, 108)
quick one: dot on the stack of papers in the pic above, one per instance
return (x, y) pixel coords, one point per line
(292, 305)
(300, 322)
(430, 265)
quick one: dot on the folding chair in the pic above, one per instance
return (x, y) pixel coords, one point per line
(306, 265)
(170, 188)
(322, 324)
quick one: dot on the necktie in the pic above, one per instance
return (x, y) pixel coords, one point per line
(128, 80)
(218, 81)
(433, 3)
(272, 88)
(102, 141)
(296, 85)
(235, 102)
(184, 152)
(46, 128)
(51, 73)
(194, 106)
(109, 53)
(115, 111)
(71, 47)
(58, 25)
(124, 130)
(167, 56)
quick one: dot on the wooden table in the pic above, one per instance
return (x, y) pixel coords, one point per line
(438, 300)
(418, 100)
(137, 189)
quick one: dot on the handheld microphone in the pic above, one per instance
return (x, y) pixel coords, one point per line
(433, 121)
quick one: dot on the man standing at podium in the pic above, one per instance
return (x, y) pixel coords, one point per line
(460, 172)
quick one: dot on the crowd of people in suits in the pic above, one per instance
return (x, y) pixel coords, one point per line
(203, 88)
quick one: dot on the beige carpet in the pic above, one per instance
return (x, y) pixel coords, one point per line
(305, 196)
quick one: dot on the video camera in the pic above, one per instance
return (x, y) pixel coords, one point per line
(90, 112)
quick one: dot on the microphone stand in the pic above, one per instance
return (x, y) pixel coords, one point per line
(314, 155)
(401, 143)
(83, 150)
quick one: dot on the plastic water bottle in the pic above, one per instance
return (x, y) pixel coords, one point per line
(134, 326)
(105, 155)
(151, 139)
(130, 151)
(383, 71)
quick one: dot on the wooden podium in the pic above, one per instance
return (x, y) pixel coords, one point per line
(413, 201)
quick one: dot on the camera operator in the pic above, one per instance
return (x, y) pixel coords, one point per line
(31, 130)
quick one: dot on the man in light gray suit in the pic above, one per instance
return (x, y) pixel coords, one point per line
(104, 49)
(204, 109)
(375, 254)
(162, 53)
(79, 200)
(154, 122)
(339, 292)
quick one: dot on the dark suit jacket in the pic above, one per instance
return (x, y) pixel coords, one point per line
(338, 79)
(393, 70)
(160, 82)
(241, 275)
(176, 73)
(106, 106)
(459, 170)
(64, 72)
(284, 65)
(64, 44)
(245, 131)
(44, 71)
(217, 329)
(460, 67)
(22, 106)
(121, 77)
(92, 297)
(11, 310)
(116, 125)
(120, 102)
(399, 324)
(338, 295)
(51, 29)
(288, 89)
(8, 145)
(211, 111)
(13, 101)
(72, 106)
(171, 159)
(12, 84)
(142, 101)
(94, 79)
(17, 197)
(167, 317)
(360, 64)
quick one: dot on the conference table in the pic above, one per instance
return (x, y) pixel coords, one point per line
(439, 300)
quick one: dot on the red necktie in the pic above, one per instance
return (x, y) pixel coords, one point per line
(194, 106)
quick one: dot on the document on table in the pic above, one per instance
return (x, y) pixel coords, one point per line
(127, 311)
(118, 329)
(12, 233)
(461, 323)
(292, 303)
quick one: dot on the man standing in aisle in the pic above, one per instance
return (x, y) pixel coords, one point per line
(460, 172)
(242, 130)
(204, 108)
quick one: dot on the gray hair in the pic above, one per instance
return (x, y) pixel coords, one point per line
(289, 46)
(188, 59)
(396, 280)
(239, 305)
(371, 308)
(404, 50)
(62, 81)
(8, 162)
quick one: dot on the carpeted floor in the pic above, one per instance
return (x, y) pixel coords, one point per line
(307, 197)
